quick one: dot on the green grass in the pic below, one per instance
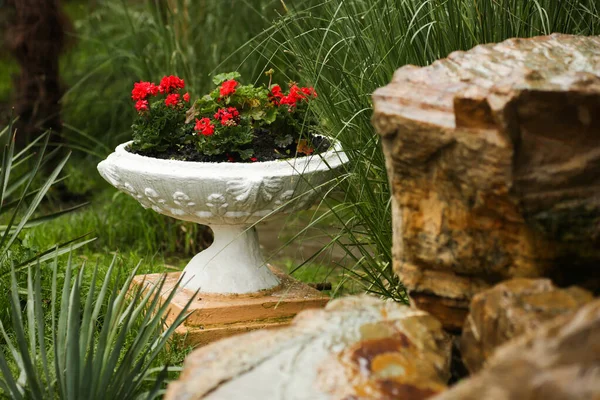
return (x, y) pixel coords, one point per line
(121, 224)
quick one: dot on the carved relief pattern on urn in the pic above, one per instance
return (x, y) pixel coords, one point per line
(217, 204)
(158, 203)
(259, 193)
(285, 201)
(183, 204)
(110, 174)
(242, 195)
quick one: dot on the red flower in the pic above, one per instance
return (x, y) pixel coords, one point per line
(289, 100)
(276, 91)
(228, 87)
(253, 159)
(172, 100)
(275, 95)
(226, 115)
(141, 90)
(141, 105)
(297, 94)
(309, 91)
(170, 83)
(230, 158)
(186, 97)
(204, 127)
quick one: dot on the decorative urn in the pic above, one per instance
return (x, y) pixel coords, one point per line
(228, 197)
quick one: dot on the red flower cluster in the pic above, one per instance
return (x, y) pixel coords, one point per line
(141, 90)
(141, 105)
(204, 127)
(226, 115)
(228, 87)
(296, 94)
(170, 83)
(172, 100)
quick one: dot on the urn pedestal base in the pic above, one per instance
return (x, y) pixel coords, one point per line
(216, 316)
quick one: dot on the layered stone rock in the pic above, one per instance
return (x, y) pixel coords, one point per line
(510, 309)
(356, 348)
(494, 161)
(560, 360)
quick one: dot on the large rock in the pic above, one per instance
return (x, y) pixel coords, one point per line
(494, 161)
(356, 348)
(559, 361)
(510, 309)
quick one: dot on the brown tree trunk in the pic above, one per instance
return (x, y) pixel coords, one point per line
(35, 36)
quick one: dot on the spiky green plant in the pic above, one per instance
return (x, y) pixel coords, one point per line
(23, 187)
(21, 195)
(96, 345)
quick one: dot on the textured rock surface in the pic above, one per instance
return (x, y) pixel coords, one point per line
(356, 348)
(560, 360)
(494, 161)
(510, 309)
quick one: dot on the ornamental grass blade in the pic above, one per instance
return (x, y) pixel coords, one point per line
(7, 382)
(30, 312)
(29, 377)
(34, 203)
(103, 342)
(5, 177)
(157, 390)
(5, 173)
(39, 321)
(111, 362)
(88, 321)
(73, 360)
(60, 340)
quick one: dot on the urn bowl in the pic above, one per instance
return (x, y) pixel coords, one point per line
(228, 197)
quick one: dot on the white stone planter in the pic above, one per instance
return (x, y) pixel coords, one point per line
(228, 197)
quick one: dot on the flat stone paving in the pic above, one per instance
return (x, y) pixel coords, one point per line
(215, 316)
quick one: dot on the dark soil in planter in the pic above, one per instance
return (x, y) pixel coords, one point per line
(264, 146)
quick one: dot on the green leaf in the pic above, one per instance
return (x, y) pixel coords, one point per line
(284, 141)
(245, 154)
(270, 115)
(220, 78)
(256, 114)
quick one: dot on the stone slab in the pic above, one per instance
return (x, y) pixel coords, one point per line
(357, 347)
(216, 316)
